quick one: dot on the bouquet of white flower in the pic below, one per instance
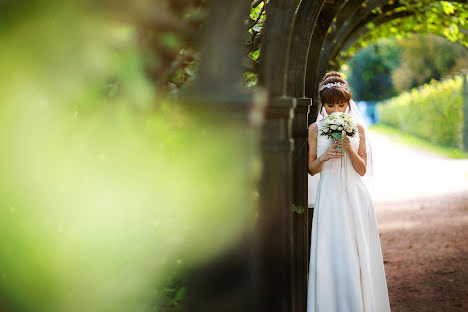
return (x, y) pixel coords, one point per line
(337, 125)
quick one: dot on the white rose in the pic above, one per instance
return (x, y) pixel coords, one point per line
(334, 127)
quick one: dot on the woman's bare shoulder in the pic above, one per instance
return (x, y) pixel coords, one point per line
(360, 128)
(313, 129)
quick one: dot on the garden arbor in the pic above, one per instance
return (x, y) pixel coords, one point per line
(301, 41)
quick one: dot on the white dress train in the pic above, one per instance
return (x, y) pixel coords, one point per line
(346, 270)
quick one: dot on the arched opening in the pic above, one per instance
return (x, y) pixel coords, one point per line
(320, 33)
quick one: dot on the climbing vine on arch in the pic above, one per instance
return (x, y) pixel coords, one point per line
(448, 19)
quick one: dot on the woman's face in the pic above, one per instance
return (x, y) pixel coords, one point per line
(338, 107)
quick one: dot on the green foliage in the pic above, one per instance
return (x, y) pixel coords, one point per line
(250, 80)
(433, 112)
(443, 18)
(388, 66)
(107, 185)
(416, 142)
(370, 71)
(427, 57)
(253, 40)
(257, 11)
(170, 295)
(254, 55)
(298, 209)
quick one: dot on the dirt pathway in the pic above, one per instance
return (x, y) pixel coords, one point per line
(402, 172)
(421, 201)
(425, 249)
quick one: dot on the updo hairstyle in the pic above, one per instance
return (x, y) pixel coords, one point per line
(334, 94)
(331, 74)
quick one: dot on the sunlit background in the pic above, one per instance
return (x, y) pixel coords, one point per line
(410, 91)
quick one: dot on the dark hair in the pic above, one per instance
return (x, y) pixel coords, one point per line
(331, 74)
(335, 94)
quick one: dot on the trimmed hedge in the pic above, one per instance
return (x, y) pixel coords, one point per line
(433, 112)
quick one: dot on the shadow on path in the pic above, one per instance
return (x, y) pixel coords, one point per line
(425, 249)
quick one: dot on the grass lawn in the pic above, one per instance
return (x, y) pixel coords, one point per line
(408, 139)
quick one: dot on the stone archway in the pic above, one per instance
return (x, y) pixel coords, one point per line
(300, 40)
(306, 41)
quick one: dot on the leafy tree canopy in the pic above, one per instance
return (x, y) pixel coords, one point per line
(444, 18)
(427, 57)
(370, 71)
(390, 66)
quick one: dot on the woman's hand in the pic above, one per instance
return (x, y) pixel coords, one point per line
(345, 144)
(332, 152)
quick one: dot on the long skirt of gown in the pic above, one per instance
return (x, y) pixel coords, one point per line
(346, 271)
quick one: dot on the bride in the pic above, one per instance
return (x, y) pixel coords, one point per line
(346, 271)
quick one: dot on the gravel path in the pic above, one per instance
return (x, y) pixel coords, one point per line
(421, 201)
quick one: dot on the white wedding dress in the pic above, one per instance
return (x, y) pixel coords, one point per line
(346, 272)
